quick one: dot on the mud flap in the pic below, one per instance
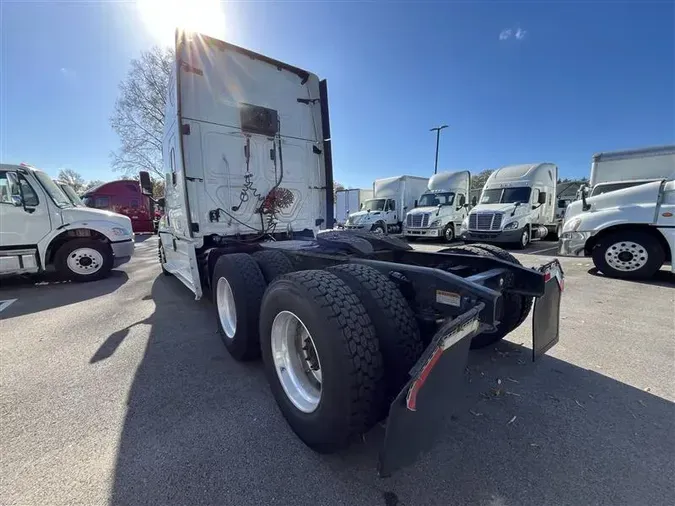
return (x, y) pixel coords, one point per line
(422, 406)
(546, 314)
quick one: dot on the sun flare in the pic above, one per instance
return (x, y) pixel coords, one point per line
(162, 17)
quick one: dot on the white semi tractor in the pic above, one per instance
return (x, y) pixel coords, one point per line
(517, 204)
(349, 201)
(441, 209)
(629, 230)
(392, 198)
(353, 327)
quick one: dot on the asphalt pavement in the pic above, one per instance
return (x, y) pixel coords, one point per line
(120, 392)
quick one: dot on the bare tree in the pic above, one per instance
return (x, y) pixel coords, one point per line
(138, 116)
(73, 178)
(337, 187)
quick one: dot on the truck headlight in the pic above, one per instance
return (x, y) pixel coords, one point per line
(120, 231)
(572, 225)
(511, 226)
(435, 223)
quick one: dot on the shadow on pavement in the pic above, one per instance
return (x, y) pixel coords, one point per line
(39, 293)
(661, 278)
(201, 428)
(142, 238)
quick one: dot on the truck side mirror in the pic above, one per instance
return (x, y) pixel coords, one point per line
(473, 201)
(161, 202)
(542, 198)
(17, 201)
(146, 183)
(415, 204)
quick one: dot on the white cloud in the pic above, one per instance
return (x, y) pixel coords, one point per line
(508, 33)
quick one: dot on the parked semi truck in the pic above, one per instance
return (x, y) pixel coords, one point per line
(353, 327)
(392, 198)
(42, 230)
(629, 231)
(70, 193)
(124, 196)
(348, 202)
(441, 208)
(517, 204)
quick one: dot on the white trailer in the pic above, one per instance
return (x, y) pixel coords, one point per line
(349, 201)
(630, 167)
(517, 204)
(441, 209)
(392, 198)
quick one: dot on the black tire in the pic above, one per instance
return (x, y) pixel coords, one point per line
(449, 232)
(162, 258)
(273, 264)
(247, 285)
(638, 245)
(352, 386)
(512, 306)
(502, 254)
(380, 227)
(397, 332)
(99, 270)
(524, 241)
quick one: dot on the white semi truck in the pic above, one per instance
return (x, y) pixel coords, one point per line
(353, 327)
(517, 204)
(349, 201)
(628, 231)
(441, 209)
(392, 198)
(42, 230)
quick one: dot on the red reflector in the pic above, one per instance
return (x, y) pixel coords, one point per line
(411, 398)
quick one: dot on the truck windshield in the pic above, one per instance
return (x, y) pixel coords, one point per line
(434, 199)
(599, 189)
(59, 198)
(70, 193)
(373, 205)
(506, 195)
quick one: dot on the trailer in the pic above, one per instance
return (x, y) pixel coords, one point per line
(353, 327)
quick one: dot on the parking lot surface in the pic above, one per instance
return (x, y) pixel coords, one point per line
(121, 392)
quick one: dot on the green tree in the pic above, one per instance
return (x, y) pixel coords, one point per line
(478, 180)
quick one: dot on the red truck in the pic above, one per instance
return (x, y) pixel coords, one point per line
(124, 197)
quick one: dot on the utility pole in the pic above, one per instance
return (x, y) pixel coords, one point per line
(438, 138)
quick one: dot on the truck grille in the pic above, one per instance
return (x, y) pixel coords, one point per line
(485, 221)
(417, 220)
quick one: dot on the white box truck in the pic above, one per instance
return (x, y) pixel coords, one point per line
(517, 204)
(616, 170)
(392, 198)
(349, 201)
(353, 327)
(42, 229)
(441, 209)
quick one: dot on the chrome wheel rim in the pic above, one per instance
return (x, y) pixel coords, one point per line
(525, 238)
(626, 256)
(378, 230)
(85, 261)
(227, 311)
(296, 361)
(449, 234)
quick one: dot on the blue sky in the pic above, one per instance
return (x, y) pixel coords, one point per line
(516, 82)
